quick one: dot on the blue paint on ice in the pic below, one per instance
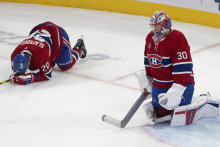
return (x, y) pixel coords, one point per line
(202, 133)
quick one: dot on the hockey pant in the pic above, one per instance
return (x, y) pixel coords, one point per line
(68, 57)
(186, 98)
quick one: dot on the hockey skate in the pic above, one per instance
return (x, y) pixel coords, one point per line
(81, 46)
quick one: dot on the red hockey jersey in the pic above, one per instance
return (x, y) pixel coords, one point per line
(170, 61)
(44, 44)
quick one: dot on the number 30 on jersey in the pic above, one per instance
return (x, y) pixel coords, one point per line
(182, 55)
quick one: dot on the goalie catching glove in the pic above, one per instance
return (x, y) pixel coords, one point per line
(172, 98)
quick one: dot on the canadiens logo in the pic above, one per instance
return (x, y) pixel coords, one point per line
(155, 61)
(149, 45)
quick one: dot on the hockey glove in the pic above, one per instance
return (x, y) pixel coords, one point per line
(15, 74)
(172, 98)
(145, 82)
(25, 79)
(81, 46)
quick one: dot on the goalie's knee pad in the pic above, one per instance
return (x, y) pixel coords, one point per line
(202, 106)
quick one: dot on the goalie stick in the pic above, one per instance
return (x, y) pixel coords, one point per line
(121, 124)
(6, 81)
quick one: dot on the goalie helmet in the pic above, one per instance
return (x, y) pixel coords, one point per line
(20, 63)
(160, 22)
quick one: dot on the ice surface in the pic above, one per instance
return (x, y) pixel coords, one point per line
(202, 133)
(66, 111)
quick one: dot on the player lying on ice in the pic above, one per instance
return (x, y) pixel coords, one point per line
(47, 45)
(169, 70)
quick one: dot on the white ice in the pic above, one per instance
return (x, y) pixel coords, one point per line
(66, 111)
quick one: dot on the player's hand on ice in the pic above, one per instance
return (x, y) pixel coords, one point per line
(24, 79)
(14, 74)
(172, 98)
(145, 82)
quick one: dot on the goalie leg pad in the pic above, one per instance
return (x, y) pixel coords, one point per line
(204, 106)
(149, 112)
(156, 114)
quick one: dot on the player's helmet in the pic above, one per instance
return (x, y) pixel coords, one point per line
(160, 22)
(20, 63)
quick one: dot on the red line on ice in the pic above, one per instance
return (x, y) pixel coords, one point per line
(157, 139)
(206, 48)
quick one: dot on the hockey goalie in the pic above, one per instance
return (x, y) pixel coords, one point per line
(169, 77)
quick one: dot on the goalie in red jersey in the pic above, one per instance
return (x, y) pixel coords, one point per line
(169, 77)
(48, 44)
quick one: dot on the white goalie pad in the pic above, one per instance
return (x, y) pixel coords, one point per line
(202, 106)
(151, 114)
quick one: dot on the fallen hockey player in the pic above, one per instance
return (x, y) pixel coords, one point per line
(47, 44)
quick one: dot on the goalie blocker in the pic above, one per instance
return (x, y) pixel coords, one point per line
(201, 107)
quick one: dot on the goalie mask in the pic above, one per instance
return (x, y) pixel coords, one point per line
(20, 63)
(160, 23)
